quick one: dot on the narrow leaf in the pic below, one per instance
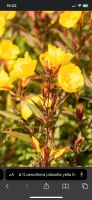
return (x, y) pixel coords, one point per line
(7, 114)
(87, 82)
(22, 136)
(36, 111)
(59, 153)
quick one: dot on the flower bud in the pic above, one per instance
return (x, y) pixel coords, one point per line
(35, 144)
(56, 70)
(78, 144)
(54, 99)
(47, 66)
(44, 92)
(79, 111)
(46, 151)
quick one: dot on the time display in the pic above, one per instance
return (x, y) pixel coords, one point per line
(11, 5)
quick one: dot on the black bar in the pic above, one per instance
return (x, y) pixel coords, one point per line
(44, 5)
(1, 174)
(46, 174)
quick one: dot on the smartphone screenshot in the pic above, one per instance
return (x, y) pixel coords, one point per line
(45, 100)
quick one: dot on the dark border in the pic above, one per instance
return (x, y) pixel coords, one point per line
(36, 5)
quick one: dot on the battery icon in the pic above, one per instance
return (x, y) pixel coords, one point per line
(85, 5)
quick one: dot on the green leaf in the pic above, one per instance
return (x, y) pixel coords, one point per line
(89, 136)
(87, 99)
(22, 136)
(87, 82)
(36, 111)
(7, 114)
(31, 40)
(59, 123)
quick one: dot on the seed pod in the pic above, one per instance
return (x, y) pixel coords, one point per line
(79, 111)
(44, 92)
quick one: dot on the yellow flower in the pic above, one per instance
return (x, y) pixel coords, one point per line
(8, 15)
(55, 57)
(25, 110)
(8, 50)
(5, 83)
(49, 12)
(23, 68)
(4, 16)
(2, 26)
(70, 78)
(69, 19)
(10, 64)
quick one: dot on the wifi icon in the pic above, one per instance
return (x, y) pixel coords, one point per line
(79, 5)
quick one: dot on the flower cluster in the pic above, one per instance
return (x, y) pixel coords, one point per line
(8, 54)
(58, 61)
(70, 78)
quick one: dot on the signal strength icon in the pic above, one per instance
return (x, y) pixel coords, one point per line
(73, 6)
